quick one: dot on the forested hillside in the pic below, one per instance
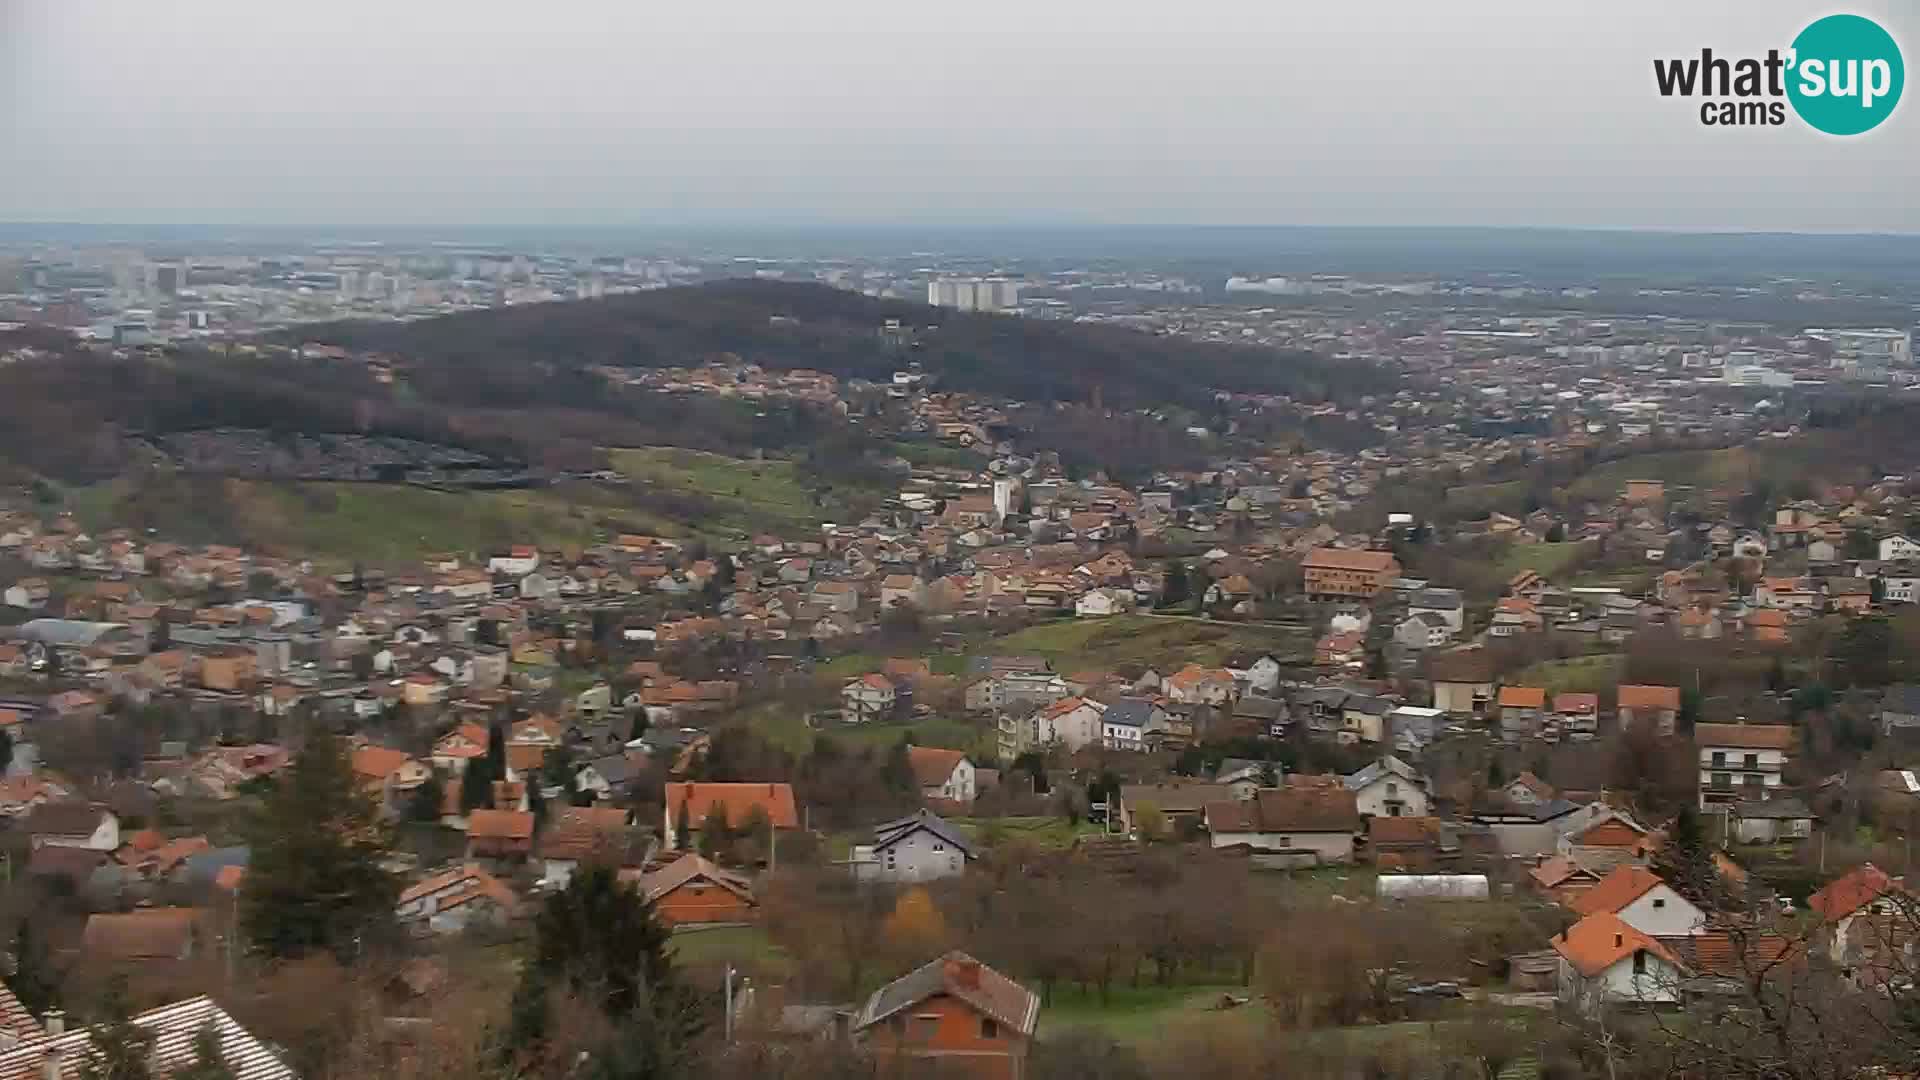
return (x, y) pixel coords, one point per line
(485, 357)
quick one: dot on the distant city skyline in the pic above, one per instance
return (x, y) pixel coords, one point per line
(1495, 113)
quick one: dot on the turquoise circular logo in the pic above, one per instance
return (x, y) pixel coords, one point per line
(1846, 75)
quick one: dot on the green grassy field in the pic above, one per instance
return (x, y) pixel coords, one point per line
(747, 948)
(1144, 1015)
(752, 496)
(786, 727)
(1677, 468)
(1046, 832)
(1547, 560)
(370, 523)
(1575, 675)
(1147, 639)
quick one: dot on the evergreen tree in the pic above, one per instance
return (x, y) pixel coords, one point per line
(428, 798)
(315, 879)
(640, 725)
(476, 786)
(33, 980)
(715, 834)
(1173, 591)
(119, 1048)
(6, 749)
(1689, 714)
(682, 828)
(600, 939)
(897, 774)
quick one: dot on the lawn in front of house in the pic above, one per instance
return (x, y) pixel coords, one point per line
(748, 949)
(1574, 675)
(1075, 644)
(1143, 1015)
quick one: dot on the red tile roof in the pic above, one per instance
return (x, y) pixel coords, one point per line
(1599, 941)
(1623, 886)
(739, 800)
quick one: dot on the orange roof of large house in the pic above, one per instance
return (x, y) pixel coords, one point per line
(378, 762)
(1746, 736)
(1344, 559)
(739, 799)
(1623, 886)
(1522, 697)
(1852, 891)
(1194, 675)
(933, 766)
(500, 824)
(1576, 704)
(1601, 940)
(1648, 697)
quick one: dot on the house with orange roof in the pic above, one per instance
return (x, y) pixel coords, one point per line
(452, 751)
(1643, 901)
(388, 774)
(1865, 916)
(953, 1010)
(1521, 711)
(945, 775)
(691, 891)
(1197, 685)
(1742, 761)
(1563, 877)
(454, 900)
(869, 697)
(1338, 573)
(692, 801)
(1577, 716)
(1767, 627)
(1654, 706)
(499, 834)
(1604, 961)
(1071, 722)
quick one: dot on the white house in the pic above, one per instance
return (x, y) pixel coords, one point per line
(1898, 547)
(1315, 822)
(1643, 901)
(1899, 588)
(460, 898)
(1423, 630)
(1261, 675)
(1604, 961)
(1741, 761)
(869, 697)
(1127, 723)
(942, 774)
(1072, 723)
(519, 561)
(1389, 788)
(917, 848)
(1099, 603)
(1448, 604)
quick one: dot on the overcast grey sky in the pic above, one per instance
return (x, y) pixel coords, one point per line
(1465, 112)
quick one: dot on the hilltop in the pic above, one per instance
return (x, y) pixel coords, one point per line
(469, 357)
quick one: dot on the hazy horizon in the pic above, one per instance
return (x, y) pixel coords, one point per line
(852, 114)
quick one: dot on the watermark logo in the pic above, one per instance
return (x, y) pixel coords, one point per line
(1842, 75)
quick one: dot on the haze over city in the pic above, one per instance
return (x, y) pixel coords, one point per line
(1498, 112)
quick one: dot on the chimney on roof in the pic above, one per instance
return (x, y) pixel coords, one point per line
(964, 972)
(55, 1022)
